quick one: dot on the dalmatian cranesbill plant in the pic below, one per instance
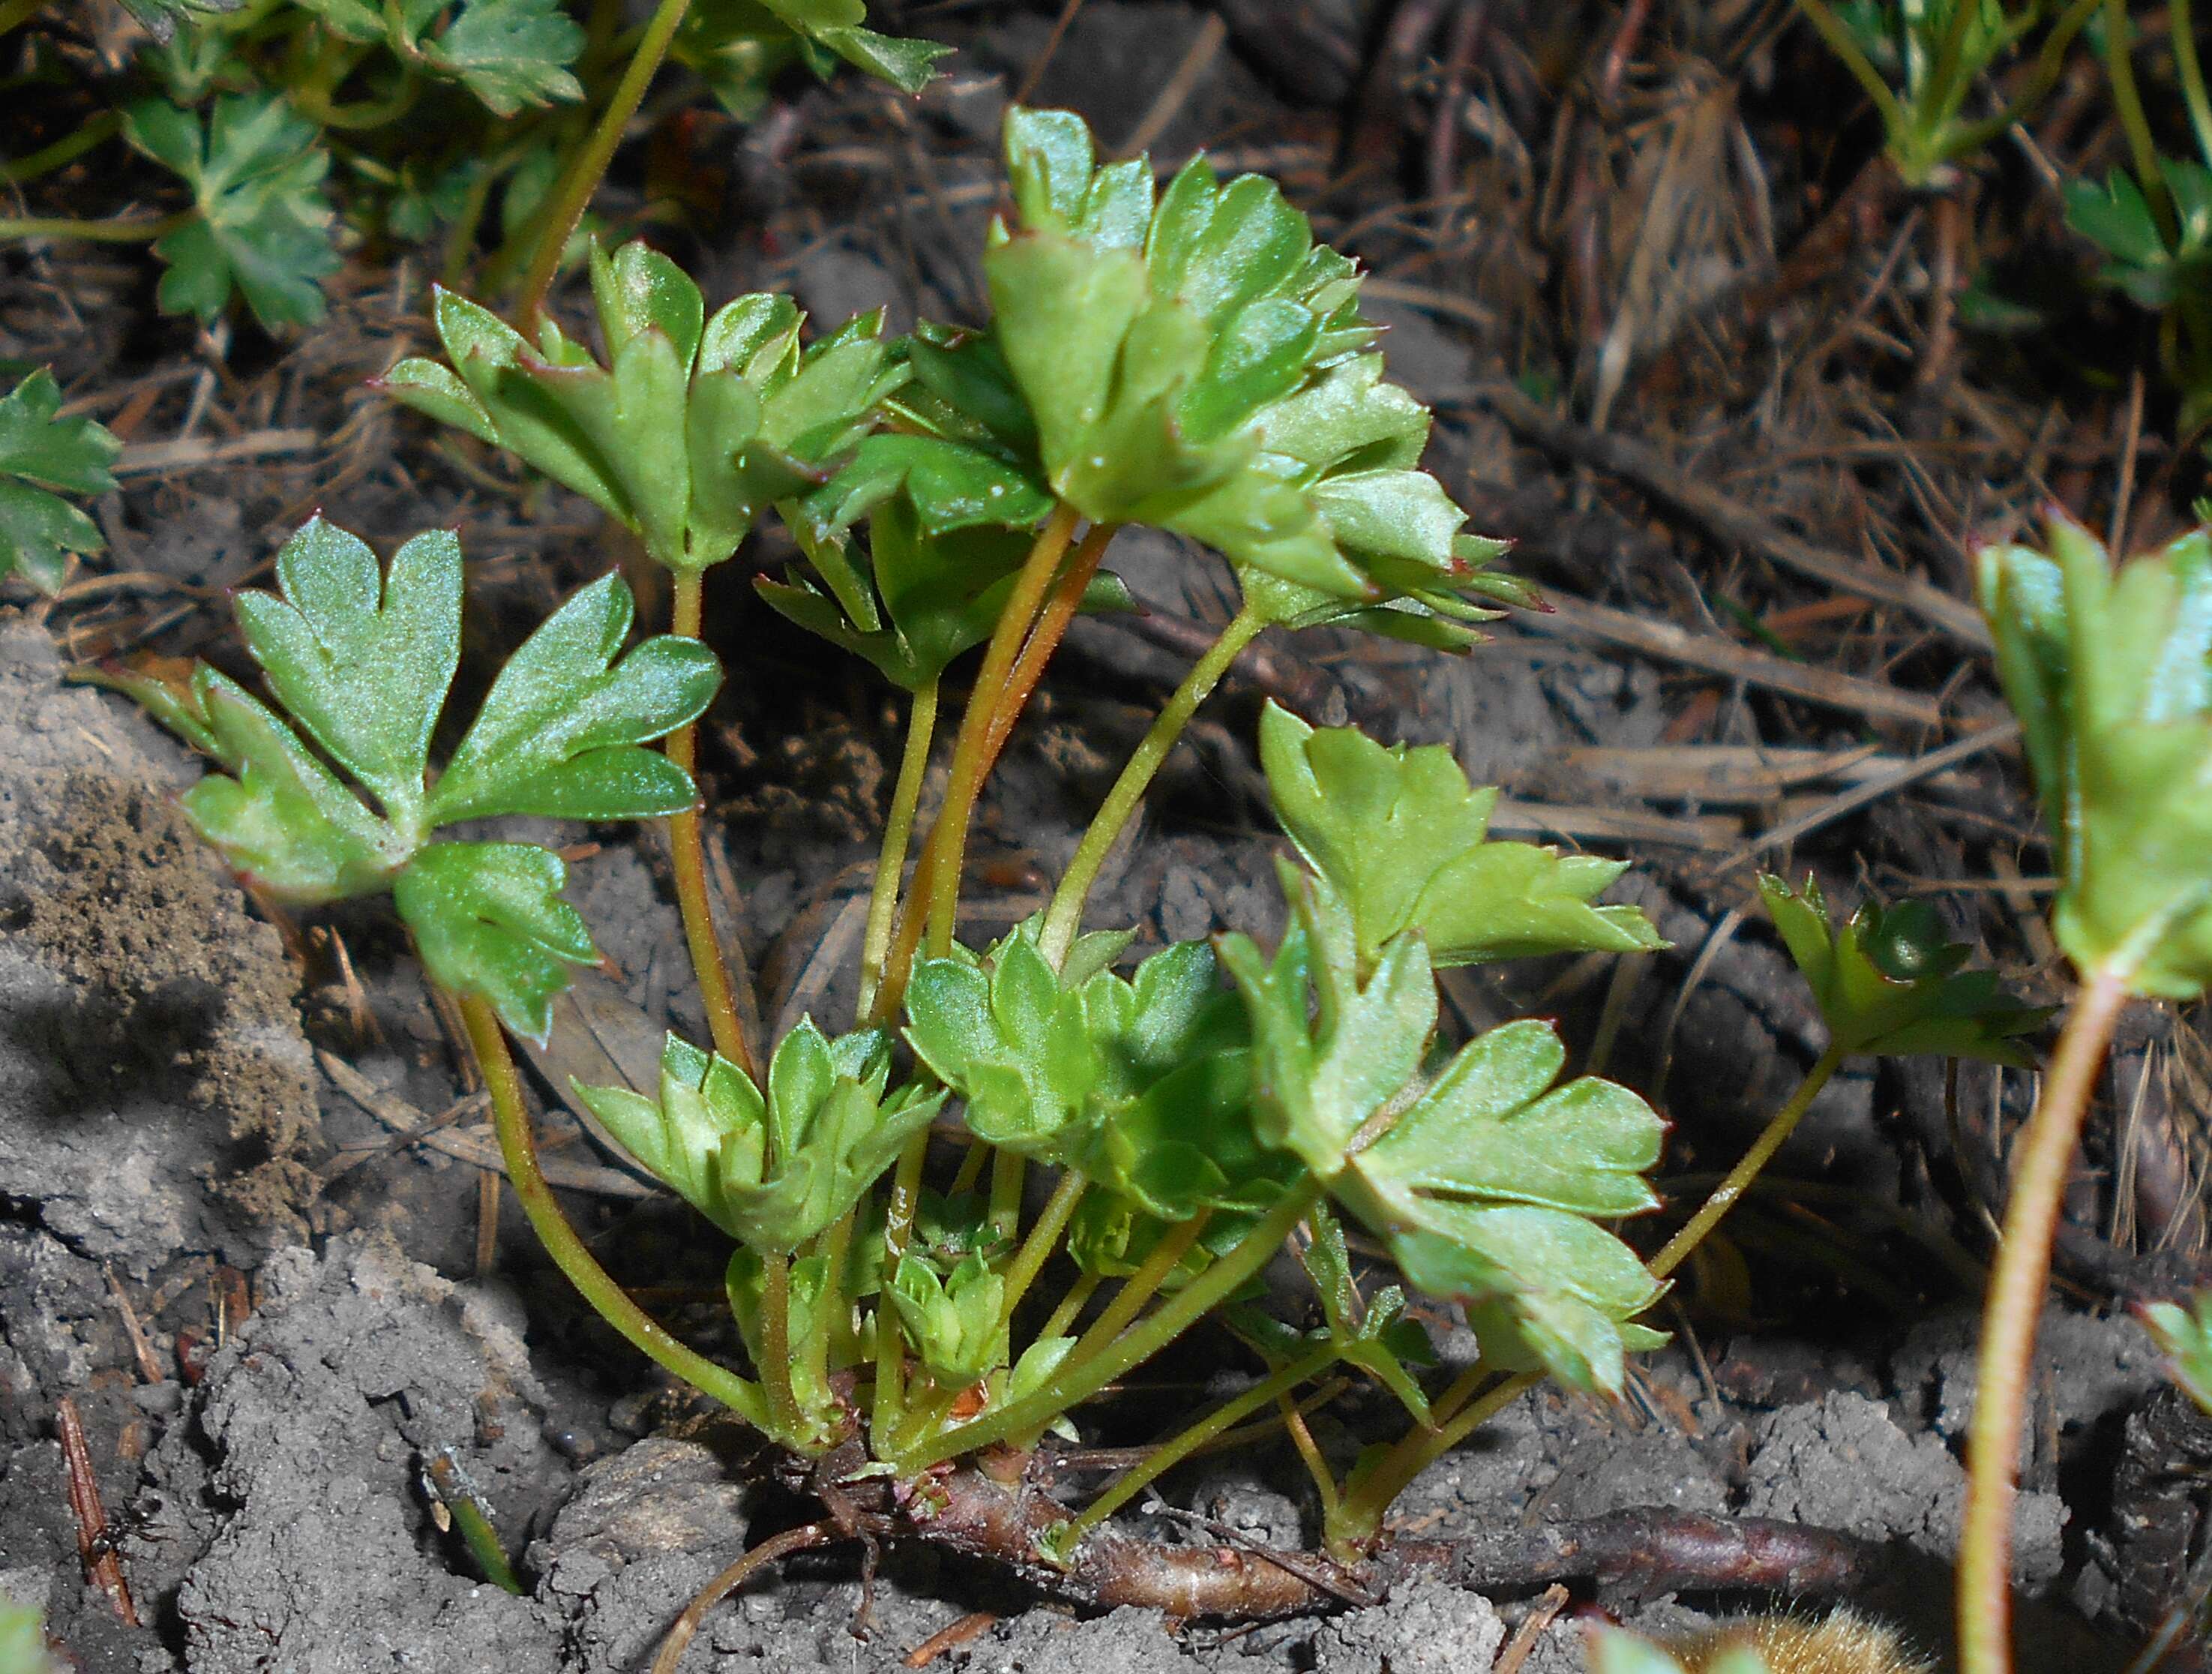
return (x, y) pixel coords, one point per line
(1188, 359)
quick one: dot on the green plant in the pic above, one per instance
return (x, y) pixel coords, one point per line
(2153, 223)
(1195, 361)
(44, 456)
(301, 128)
(1921, 61)
(23, 1648)
(2110, 672)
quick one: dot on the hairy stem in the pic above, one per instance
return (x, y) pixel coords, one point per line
(2017, 1282)
(1739, 1178)
(1070, 1305)
(1172, 1453)
(898, 833)
(1073, 1384)
(688, 852)
(1065, 916)
(1139, 1288)
(518, 1147)
(583, 175)
(1008, 1170)
(833, 1248)
(936, 890)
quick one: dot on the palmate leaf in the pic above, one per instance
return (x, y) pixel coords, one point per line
(772, 1171)
(692, 428)
(1403, 838)
(2109, 672)
(1888, 982)
(1484, 1183)
(510, 53)
(361, 657)
(42, 457)
(1196, 364)
(262, 223)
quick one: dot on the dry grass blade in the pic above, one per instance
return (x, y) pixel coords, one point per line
(102, 1565)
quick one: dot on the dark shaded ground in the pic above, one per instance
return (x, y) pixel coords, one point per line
(312, 1321)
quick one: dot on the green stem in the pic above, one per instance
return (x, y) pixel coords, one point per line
(687, 855)
(1455, 1417)
(832, 1249)
(64, 151)
(783, 1415)
(518, 1147)
(2050, 61)
(1008, 1170)
(898, 833)
(1841, 42)
(136, 231)
(2190, 69)
(359, 116)
(584, 174)
(2017, 1283)
(1071, 1385)
(1739, 1178)
(1069, 1306)
(1309, 1455)
(1065, 917)
(1044, 1237)
(2127, 102)
(890, 1403)
(935, 893)
(1170, 1454)
(1139, 1288)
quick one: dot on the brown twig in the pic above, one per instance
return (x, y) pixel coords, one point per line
(101, 1567)
(950, 1638)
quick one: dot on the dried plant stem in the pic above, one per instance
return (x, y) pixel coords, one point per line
(688, 852)
(1739, 1178)
(1172, 1453)
(583, 175)
(1065, 916)
(898, 833)
(517, 1148)
(805, 1538)
(2017, 1282)
(1060, 609)
(936, 890)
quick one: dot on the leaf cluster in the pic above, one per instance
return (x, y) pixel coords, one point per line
(328, 796)
(2184, 1334)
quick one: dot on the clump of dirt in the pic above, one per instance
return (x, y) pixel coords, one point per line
(289, 1526)
(159, 1090)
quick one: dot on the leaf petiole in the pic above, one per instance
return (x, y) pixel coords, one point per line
(898, 834)
(133, 231)
(518, 1147)
(1065, 916)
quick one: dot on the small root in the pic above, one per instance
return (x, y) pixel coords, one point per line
(804, 1538)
